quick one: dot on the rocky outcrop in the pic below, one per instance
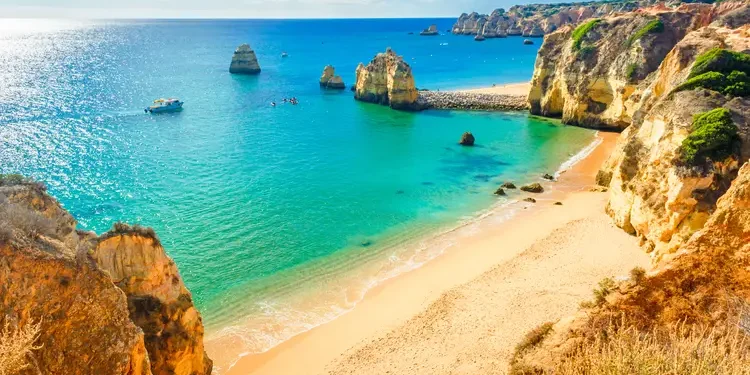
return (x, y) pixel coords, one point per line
(533, 188)
(590, 79)
(467, 139)
(330, 80)
(536, 20)
(430, 31)
(387, 80)
(158, 300)
(94, 297)
(244, 61)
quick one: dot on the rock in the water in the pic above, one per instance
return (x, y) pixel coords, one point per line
(479, 38)
(528, 41)
(244, 61)
(330, 80)
(387, 80)
(467, 139)
(508, 185)
(499, 191)
(430, 31)
(530, 200)
(548, 176)
(533, 188)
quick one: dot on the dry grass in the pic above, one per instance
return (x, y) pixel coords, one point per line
(18, 223)
(123, 229)
(685, 349)
(530, 341)
(16, 347)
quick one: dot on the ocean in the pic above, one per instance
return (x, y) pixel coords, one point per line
(279, 218)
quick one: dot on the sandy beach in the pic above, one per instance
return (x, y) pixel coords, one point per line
(464, 311)
(516, 89)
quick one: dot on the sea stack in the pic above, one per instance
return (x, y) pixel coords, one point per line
(329, 79)
(430, 31)
(387, 80)
(244, 61)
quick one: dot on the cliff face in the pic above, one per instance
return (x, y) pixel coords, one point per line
(387, 80)
(244, 61)
(535, 19)
(94, 296)
(44, 277)
(588, 75)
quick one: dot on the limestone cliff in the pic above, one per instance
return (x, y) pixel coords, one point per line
(94, 296)
(587, 75)
(704, 284)
(244, 61)
(537, 19)
(387, 80)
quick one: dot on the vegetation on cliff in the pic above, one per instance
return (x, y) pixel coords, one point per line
(713, 136)
(655, 26)
(581, 31)
(720, 70)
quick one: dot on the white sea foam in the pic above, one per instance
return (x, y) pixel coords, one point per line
(575, 159)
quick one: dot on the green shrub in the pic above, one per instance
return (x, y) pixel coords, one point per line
(606, 286)
(655, 26)
(637, 275)
(581, 32)
(529, 341)
(738, 84)
(630, 72)
(713, 136)
(720, 60)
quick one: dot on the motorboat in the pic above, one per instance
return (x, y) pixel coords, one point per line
(165, 105)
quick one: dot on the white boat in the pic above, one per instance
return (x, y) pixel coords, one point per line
(165, 105)
(284, 54)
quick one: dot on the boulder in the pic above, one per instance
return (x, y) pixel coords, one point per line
(467, 139)
(330, 80)
(530, 200)
(387, 80)
(479, 38)
(533, 188)
(499, 191)
(508, 185)
(528, 41)
(244, 61)
(548, 176)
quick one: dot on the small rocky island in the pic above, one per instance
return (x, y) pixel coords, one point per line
(387, 80)
(329, 79)
(244, 61)
(430, 31)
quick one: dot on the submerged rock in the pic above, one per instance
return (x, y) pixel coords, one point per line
(467, 139)
(330, 80)
(508, 185)
(499, 191)
(244, 61)
(533, 188)
(387, 80)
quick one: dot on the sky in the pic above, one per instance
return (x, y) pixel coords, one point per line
(248, 8)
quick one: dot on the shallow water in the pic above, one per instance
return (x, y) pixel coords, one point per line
(260, 206)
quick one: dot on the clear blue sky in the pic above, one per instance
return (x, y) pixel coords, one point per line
(247, 8)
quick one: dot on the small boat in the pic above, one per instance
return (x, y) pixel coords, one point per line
(284, 54)
(165, 105)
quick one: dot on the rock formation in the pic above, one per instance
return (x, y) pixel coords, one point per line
(330, 80)
(533, 188)
(244, 61)
(467, 139)
(387, 80)
(50, 275)
(430, 31)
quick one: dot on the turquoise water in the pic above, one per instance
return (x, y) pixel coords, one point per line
(260, 205)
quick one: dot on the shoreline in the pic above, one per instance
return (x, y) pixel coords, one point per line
(395, 301)
(512, 89)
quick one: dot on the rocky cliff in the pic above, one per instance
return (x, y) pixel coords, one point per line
(64, 281)
(387, 80)
(244, 61)
(537, 19)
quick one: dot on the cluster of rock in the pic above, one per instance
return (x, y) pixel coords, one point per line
(244, 61)
(430, 31)
(535, 20)
(472, 101)
(387, 80)
(329, 79)
(113, 304)
(693, 218)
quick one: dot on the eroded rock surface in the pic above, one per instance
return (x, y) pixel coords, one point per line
(387, 80)
(244, 61)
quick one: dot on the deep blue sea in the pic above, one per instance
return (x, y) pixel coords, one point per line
(262, 207)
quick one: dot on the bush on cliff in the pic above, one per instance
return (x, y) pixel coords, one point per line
(581, 31)
(713, 136)
(14, 179)
(655, 26)
(720, 60)
(720, 70)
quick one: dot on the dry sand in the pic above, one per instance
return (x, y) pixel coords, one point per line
(516, 89)
(463, 312)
